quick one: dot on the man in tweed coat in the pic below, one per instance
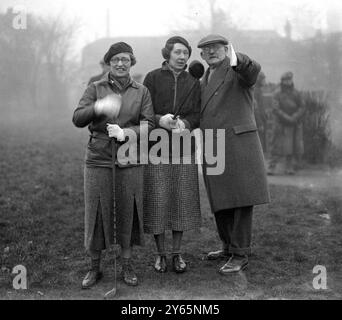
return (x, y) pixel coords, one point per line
(227, 103)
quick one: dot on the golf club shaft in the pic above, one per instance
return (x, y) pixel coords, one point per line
(114, 211)
(181, 105)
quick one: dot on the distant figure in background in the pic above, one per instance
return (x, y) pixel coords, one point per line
(287, 141)
(105, 68)
(260, 110)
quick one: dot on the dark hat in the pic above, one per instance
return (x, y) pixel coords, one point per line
(170, 42)
(178, 39)
(115, 49)
(287, 76)
(210, 39)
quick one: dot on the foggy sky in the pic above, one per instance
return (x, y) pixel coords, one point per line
(159, 17)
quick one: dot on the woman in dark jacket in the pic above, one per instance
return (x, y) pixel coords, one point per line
(98, 109)
(171, 193)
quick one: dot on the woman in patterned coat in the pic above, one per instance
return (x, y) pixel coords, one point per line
(171, 192)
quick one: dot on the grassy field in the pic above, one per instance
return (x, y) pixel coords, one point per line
(41, 227)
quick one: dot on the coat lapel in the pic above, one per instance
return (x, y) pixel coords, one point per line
(217, 79)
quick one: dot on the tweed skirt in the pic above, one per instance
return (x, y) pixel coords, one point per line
(98, 195)
(171, 198)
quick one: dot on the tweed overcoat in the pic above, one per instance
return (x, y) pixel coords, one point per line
(227, 103)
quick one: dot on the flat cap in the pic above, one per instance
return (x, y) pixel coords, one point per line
(210, 39)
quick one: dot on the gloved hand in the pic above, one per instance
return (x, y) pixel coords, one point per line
(109, 106)
(180, 126)
(167, 122)
(114, 131)
(232, 56)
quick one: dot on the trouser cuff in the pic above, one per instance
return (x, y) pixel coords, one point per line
(240, 251)
(94, 254)
(225, 247)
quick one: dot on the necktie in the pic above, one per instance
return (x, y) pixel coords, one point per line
(211, 71)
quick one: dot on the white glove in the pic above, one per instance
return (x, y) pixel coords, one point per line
(167, 122)
(114, 131)
(109, 106)
(180, 126)
(232, 56)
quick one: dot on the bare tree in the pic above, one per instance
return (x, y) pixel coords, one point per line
(220, 21)
(34, 60)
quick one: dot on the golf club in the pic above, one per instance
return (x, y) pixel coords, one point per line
(110, 106)
(196, 69)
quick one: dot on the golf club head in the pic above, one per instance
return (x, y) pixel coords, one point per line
(109, 106)
(196, 69)
(110, 294)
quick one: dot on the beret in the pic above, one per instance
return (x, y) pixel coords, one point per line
(172, 41)
(178, 39)
(210, 39)
(115, 49)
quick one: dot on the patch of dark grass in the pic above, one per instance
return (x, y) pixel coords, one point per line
(334, 205)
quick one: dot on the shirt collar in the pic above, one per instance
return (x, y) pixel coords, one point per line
(134, 84)
(106, 79)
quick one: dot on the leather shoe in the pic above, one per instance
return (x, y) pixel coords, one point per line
(234, 264)
(219, 254)
(178, 264)
(128, 274)
(160, 264)
(92, 277)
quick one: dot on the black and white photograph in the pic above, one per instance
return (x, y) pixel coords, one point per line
(185, 151)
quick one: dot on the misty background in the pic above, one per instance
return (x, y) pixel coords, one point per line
(48, 51)
(46, 66)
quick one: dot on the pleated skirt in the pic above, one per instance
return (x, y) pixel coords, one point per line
(98, 196)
